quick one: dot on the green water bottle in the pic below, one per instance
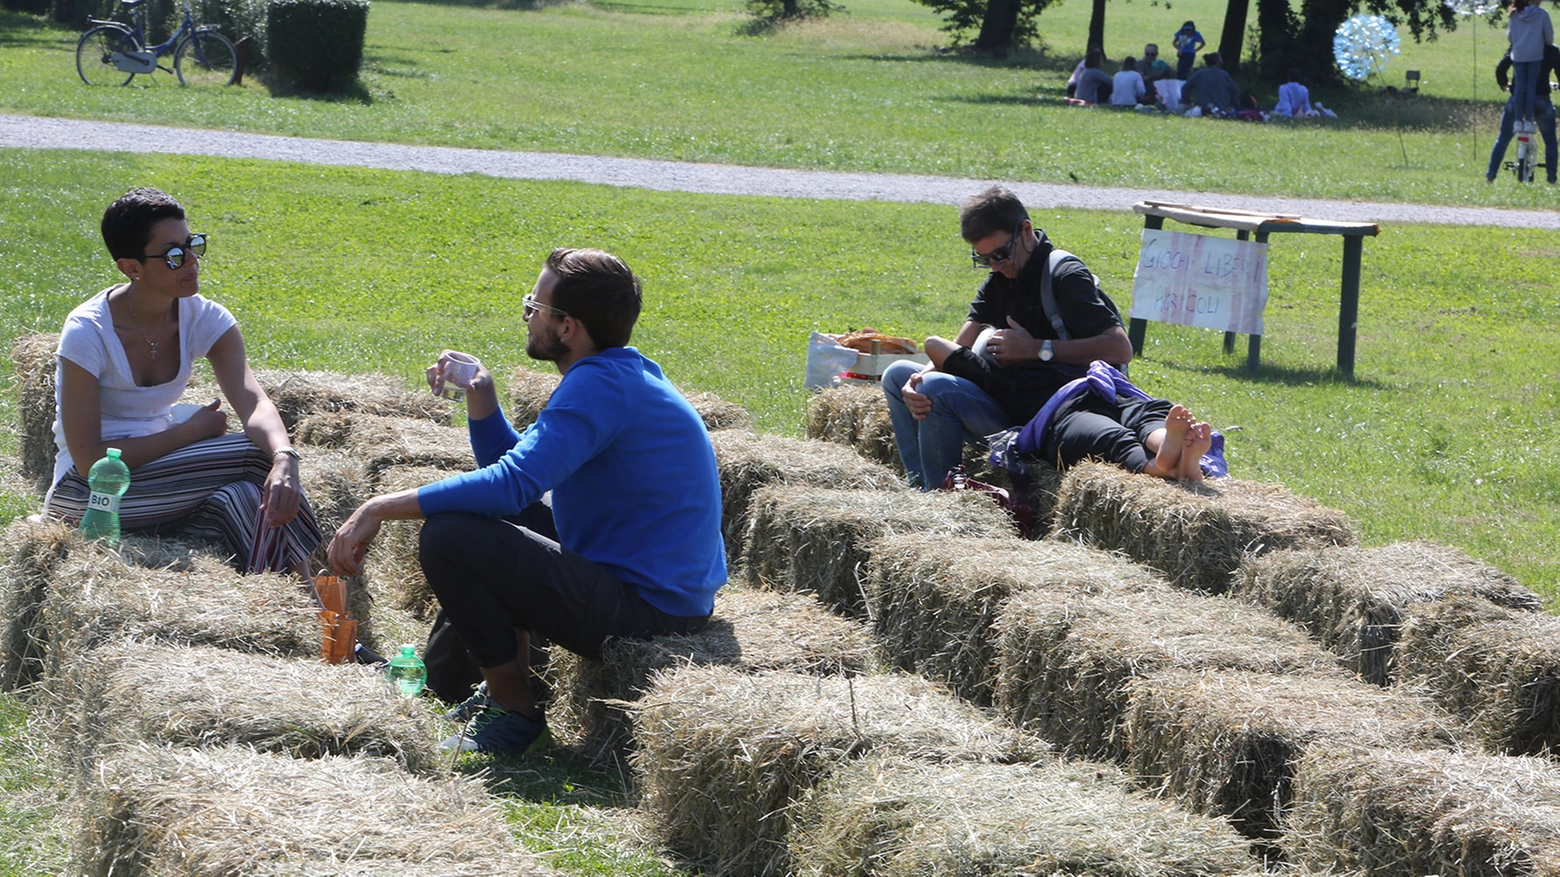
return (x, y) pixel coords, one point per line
(108, 480)
(407, 672)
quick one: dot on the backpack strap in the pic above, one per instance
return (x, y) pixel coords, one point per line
(1048, 294)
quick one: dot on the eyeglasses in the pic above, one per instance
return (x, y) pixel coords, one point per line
(532, 306)
(1000, 254)
(174, 258)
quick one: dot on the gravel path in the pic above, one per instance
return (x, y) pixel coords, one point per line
(671, 176)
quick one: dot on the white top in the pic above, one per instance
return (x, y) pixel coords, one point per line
(1127, 88)
(1293, 100)
(89, 341)
(1169, 91)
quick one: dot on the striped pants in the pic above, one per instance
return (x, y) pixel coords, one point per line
(211, 490)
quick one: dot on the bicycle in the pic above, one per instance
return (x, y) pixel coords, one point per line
(112, 52)
(1523, 166)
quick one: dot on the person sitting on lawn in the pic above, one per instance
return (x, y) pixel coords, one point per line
(125, 357)
(1010, 359)
(1127, 87)
(1294, 100)
(1153, 67)
(1094, 86)
(602, 519)
(1211, 88)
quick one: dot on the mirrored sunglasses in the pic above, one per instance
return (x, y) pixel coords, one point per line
(1000, 254)
(175, 257)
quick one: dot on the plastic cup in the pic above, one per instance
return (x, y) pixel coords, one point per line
(459, 371)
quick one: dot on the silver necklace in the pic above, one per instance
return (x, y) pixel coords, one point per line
(135, 316)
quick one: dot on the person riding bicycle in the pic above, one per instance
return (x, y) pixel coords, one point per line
(1543, 114)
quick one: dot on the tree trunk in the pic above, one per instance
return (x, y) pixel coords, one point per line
(996, 31)
(1233, 36)
(1097, 26)
(1276, 38)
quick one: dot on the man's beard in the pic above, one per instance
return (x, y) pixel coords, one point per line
(544, 351)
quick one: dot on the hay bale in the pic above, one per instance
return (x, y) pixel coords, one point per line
(1064, 660)
(193, 812)
(855, 415)
(724, 755)
(717, 413)
(898, 817)
(933, 604)
(1355, 600)
(299, 394)
(382, 442)
(32, 373)
(818, 539)
(393, 569)
(1496, 668)
(1228, 743)
(1196, 534)
(336, 483)
(1405, 813)
(200, 696)
(32, 552)
(749, 460)
(162, 590)
(527, 394)
(751, 631)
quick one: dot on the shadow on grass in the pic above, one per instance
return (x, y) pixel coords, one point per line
(554, 775)
(1289, 376)
(18, 29)
(355, 93)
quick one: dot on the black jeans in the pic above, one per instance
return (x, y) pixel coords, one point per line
(494, 576)
(1092, 428)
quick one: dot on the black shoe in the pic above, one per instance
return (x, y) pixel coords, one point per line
(467, 709)
(366, 655)
(496, 729)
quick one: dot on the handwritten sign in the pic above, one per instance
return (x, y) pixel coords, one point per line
(1199, 280)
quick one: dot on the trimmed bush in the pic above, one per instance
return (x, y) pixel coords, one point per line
(317, 44)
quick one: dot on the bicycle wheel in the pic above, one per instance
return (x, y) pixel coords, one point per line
(94, 55)
(205, 57)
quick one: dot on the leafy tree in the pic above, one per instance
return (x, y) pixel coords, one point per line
(1002, 25)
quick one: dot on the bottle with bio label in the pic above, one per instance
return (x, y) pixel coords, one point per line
(407, 672)
(108, 480)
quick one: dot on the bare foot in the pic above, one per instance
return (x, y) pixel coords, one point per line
(1199, 439)
(1177, 422)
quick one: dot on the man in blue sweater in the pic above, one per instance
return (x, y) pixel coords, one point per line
(601, 519)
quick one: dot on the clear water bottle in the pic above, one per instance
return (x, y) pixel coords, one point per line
(407, 672)
(108, 479)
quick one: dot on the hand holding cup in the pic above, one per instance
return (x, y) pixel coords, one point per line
(453, 375)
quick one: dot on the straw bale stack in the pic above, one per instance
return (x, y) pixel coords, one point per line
(901, 817)
(527, 394)
(1227, 743)
(336, 483)
(1406, 813)
(1496, 668)
(855, 415)
(384, 441)
(32, 552)
(748, 460)
(143, 591)
(724, 755)
(933, 606)
(751, 631)
(299, 394)
(1064, 660)
(818, 539)
(201, 696)
(32, 373)
(177, 812)
(717, 413)
(1196, 534)
(1355, 600)
(392, 568)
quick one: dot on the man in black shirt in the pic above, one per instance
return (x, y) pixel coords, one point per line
(1009, 359)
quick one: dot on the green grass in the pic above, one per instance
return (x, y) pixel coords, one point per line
(861, 91)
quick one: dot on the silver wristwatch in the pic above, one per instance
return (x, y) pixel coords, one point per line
(1045, 351)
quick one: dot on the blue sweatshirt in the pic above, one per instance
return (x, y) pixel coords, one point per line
(633, 476)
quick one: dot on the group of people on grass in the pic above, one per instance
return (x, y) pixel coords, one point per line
(602, 519)
(1151, 83)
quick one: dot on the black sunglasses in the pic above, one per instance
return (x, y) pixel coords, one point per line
(174, 258)
(1000, 254)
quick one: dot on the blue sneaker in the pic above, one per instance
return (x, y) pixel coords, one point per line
(467, 709)
(496, 729)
